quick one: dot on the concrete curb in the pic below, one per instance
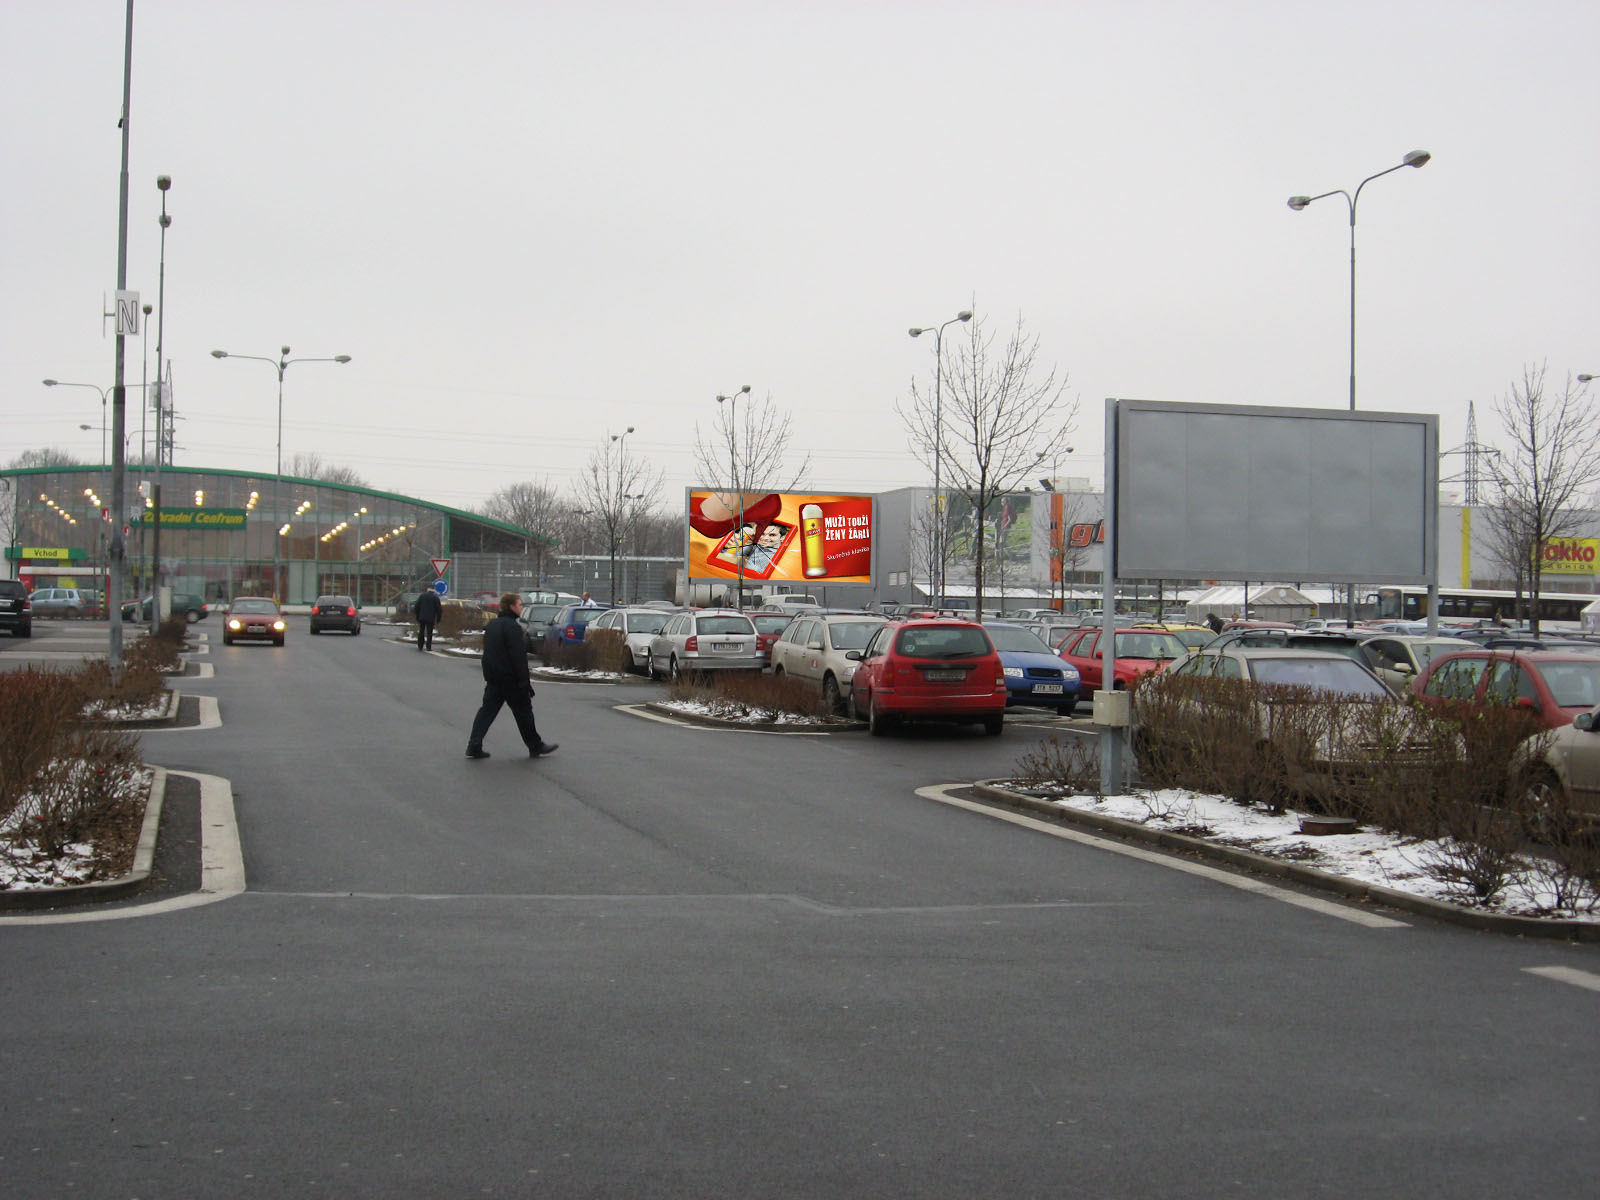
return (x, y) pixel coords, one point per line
(1353, 889)
(758, 726)
(144, 856)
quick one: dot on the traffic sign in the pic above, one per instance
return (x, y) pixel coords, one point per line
(440, 566)
(441, 586)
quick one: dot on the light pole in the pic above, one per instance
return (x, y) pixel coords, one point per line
(621, 440)
(1417, 158)
(93, 387)
(732, 401)
(163, 185)
(280, 364)
(938, 440)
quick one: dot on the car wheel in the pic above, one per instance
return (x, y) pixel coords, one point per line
(226, 640)
(1544, 805)
(315, 631)
(356, 631)
(777, 672)
(830, 694)
(277, 641)
(74, 613)
(674, 672)
(191, 616)
(25, 631)
(995, 725)
(877, 723)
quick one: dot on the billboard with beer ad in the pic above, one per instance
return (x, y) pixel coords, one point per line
(791, 536)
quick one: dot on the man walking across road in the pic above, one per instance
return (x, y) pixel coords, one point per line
(427, 610)
(506, 682)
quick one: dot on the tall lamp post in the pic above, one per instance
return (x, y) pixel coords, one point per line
(280, 364)
(732, 401)
(1417, 158)
(621, 440)
(938, 441)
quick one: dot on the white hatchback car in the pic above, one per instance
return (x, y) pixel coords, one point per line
(705, 639)
(813, 648)
(636, 626)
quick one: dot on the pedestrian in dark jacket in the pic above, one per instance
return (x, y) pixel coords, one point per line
(506, 681)
(427, 610)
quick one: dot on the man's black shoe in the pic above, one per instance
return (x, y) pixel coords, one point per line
(477, 752)
(542, 749)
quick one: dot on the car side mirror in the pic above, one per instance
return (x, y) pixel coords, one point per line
(1585, 721)
(853, 654)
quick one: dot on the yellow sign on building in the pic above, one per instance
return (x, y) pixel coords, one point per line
(1570, 556)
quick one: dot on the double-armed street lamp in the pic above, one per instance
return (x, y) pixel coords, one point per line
(938, 441)
(280, 364)
(731, 399)
(1417, 158)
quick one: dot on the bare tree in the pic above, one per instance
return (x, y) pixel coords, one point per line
(747, 448)
(1541, 482)
(50, 456)
(310, 465)
(609, 491)
(1001, 418)
(533, 505)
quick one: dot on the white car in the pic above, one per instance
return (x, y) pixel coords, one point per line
(813, 647)
(1567, 767)
(636, 626)
(705, 639)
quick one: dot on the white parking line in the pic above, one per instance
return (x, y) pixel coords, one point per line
(221, 864)
(1245, 883)
(1577, 978)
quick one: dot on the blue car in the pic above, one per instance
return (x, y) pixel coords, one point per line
(566, 628)
(1036, 675)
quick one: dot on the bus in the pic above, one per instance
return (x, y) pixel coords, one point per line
(1484, 605)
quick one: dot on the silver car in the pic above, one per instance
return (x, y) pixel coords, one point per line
(1400, 658)
(813, 648)
(705, 639)
(1566, 769)
(637, 627)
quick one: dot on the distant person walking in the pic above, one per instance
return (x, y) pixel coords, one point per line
(587, 601)
(427, 610)
(506, 682)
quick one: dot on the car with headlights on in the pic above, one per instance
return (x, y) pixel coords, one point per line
(814, 647)
(254, 619)
(705, 639)
(1035, 675)
(335, 612)
(929, 670)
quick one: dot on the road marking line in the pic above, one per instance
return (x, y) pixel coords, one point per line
(1244, 883)
(1577, 978)
(221, 864)
(210, 718)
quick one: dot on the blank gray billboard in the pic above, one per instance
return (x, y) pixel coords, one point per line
(1280, 494)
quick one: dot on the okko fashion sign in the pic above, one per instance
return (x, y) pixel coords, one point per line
(792, 536)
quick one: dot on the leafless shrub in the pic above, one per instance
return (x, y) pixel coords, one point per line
(1478, 856)
(607, 650)
(1070, 764)
(736, 694)
(81, 789)
(37, 709)
(458, 619)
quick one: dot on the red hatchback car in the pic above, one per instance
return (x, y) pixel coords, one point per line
(1555, 685)
(929, 670)
(1139, 651)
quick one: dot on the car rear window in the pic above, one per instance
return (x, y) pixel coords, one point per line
(728, 624)
(646, 622)
(772, 622)
(933, 642)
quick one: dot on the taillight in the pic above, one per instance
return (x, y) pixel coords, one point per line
(999, 678)
(572, 633)
(692, 646)
(349, 612)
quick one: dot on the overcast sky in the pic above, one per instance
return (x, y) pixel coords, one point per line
(532, 225)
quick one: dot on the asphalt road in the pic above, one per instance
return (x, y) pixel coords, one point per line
(672, 961)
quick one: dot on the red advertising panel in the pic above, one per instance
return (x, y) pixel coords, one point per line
(792, 536)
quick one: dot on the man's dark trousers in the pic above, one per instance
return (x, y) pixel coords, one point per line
(425, 635)
(518, 700)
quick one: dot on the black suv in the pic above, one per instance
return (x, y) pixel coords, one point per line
(16, 608)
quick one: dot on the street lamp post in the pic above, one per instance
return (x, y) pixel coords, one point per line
(732, 401)
(280, 364)
(621, 440)
(110, 489)
(938, 441)
(1417, 158)
(163, 185)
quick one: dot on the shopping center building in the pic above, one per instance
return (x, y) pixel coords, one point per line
(234, 533)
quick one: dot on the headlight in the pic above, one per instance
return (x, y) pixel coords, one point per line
(1070, 674)
(278, 626)
(233, 623)
(1013, 672)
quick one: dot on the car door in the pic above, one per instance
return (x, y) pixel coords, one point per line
(806, 660)
(861, 682)
(1583, 764)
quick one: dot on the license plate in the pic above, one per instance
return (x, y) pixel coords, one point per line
(726, 647)
(944, 676)
(1047, 689)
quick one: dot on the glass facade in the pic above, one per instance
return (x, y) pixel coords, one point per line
(224, 534)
